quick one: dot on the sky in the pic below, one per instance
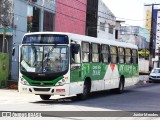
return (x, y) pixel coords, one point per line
(132, 11)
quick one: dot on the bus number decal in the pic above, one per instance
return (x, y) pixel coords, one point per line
(96, 70)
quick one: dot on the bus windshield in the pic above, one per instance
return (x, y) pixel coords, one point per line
(44, 59)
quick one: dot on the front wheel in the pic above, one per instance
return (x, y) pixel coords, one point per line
(45, 97)
(86, 91)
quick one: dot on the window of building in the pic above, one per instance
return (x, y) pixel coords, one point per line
(111, 29)
(85, 52)
(33, 19)
(95, 52)
(113, 52)
(102, 26)
(105, 53)
(48, 21)
(116, 34)
(121, 55)
(128, 55)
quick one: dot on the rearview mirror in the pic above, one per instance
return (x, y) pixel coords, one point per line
(75, 48)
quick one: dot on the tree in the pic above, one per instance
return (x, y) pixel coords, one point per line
(5, 18)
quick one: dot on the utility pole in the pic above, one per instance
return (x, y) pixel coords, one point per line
(152, 52)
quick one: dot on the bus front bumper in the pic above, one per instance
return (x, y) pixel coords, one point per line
(55, 90)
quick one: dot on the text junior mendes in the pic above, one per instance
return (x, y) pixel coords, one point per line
(145, 115)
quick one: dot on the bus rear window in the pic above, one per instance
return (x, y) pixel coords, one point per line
(45, 39)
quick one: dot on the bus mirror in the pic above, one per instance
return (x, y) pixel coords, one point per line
(76, 48)
(13, 51)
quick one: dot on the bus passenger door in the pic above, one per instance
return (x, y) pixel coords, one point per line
(75, 62)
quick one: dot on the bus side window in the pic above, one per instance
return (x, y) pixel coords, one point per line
(128, 55)
(134, 56)
(121, 55)
(85, 52)
(113, 53)
(75, 54)
(95, 52)
(105, 53)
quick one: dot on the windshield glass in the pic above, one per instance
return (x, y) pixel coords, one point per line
(44, 59)
(156, 71)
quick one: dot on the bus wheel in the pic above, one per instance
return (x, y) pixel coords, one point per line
(120, 89)
(86, 91)
(45, 97)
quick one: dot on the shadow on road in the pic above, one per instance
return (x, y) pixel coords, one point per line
(136, 98)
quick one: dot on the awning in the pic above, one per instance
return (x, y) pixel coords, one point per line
(9, 31)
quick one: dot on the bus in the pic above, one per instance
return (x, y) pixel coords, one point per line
(65, 64)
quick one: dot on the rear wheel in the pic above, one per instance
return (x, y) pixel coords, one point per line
(45, 97)
(86, 91)
(120, 89)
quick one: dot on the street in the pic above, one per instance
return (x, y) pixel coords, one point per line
(136, 98)
(141, 97)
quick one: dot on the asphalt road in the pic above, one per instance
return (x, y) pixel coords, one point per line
(141, 97)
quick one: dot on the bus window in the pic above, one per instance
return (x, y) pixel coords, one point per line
(95, 52)
(75, 54)
(85, 52)
(121, 54)
(128, 55)
(134, 56)
(113, 52)
(105, 53)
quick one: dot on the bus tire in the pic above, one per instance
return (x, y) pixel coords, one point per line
(45, 97)
(120, 89)
(86, 90)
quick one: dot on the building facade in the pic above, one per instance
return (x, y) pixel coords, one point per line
(71, 16)
(101, 22)
(152, 23)
(106, 22)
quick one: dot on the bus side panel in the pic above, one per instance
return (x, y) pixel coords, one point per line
(135, 73)
(111, 77)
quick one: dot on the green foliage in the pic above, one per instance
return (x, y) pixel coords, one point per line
(144, 53)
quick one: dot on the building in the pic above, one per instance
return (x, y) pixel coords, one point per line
(156, 37)
(71, 16)
(152, 23)
(100, 21)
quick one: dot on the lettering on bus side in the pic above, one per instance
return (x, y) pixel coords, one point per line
(96, 70)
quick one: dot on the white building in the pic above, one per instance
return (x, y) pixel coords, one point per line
(106, 22)
(101, 22)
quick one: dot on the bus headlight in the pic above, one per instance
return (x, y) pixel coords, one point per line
(61, 83)
(23, 81)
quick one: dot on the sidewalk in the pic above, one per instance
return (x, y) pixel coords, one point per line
(143, 79)
(12, 84)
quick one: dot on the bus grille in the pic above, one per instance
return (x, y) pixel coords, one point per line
(42, 89)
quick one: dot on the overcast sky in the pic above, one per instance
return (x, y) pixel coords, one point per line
(129, 9)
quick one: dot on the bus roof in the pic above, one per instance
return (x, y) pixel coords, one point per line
(78, 37)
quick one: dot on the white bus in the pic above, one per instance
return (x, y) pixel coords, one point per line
(57, 63)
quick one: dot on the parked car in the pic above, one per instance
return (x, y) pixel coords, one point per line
(154, 75)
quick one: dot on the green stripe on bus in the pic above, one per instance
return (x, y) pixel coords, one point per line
(45, 82)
